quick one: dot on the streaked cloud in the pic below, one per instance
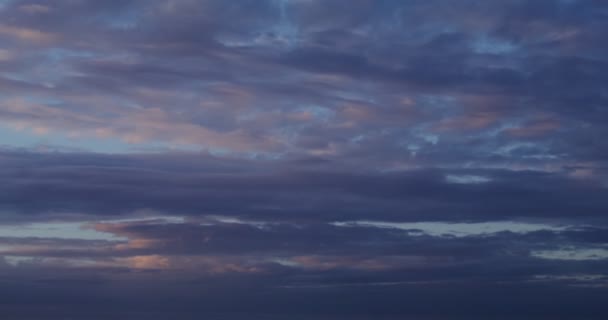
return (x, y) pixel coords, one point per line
(308, 159)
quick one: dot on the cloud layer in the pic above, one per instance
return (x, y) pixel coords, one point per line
(303, 159)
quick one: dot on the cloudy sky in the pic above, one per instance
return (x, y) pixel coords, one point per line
(303, 159)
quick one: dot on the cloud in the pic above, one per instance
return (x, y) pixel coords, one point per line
(25, 34)
(114, 185)
(340, 159)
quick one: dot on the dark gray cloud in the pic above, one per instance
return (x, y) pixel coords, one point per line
(286, 191)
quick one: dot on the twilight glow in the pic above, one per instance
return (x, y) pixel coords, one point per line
(303, 159)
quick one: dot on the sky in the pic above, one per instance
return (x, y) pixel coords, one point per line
(303, 159)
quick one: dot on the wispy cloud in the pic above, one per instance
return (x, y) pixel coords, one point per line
(309, 159)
